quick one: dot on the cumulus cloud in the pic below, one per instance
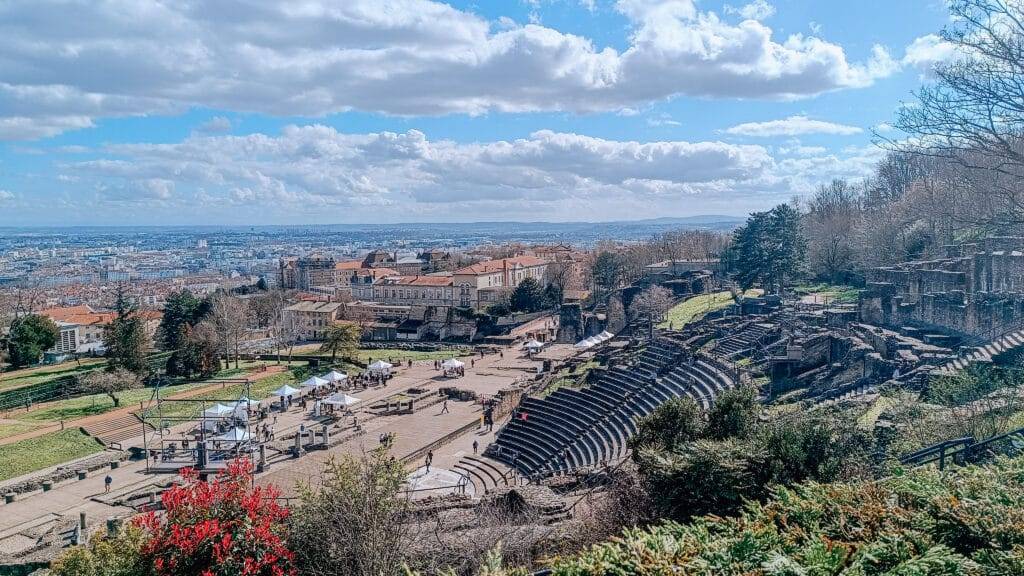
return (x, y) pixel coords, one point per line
(321, 173)
(65, 65)
(6, 195)
(927, 51)
(792, 126)
(756, 10)
(319, 165)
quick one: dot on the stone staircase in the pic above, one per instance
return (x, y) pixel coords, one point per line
(984, 354)
(116, 430)
(485, 474)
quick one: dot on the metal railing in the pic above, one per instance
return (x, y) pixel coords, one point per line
(960, 450)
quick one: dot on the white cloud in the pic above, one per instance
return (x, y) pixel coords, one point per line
(663, 119)
(6, 195)
(313, 166)
(65, 65)
(927, 51)
(215, 125)
(756, 10)
(792, 126)
(800, 150)
(315, 173)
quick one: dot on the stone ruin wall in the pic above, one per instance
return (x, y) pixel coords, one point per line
(978, 290)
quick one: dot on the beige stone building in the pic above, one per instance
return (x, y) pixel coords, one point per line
(309, 320)
(414, 291)
(484, 283)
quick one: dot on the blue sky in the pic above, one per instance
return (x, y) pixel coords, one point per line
(247, 112)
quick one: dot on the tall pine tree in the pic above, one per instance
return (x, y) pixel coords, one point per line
(770, 249)
(125, 338)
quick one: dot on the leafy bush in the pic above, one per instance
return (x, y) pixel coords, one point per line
(921, 523)
(717, 476)
(222, 527)
(673, 423)
(120, 555)
(734, 413)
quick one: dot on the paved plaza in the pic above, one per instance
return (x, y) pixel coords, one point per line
(449, 434)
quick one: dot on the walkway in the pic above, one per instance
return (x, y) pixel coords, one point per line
(413, 434)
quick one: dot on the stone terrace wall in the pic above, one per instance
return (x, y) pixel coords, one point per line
(978, 290)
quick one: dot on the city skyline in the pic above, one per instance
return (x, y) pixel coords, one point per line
(420, 111)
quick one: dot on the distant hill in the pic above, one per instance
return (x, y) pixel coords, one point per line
(707, 220)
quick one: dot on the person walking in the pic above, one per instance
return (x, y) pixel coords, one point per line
(475, 446)
(107, 482)
(444, 407)
(428, 460)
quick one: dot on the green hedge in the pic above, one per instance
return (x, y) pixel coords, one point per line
(970, 521)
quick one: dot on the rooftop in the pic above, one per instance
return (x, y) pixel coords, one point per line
(491, 266)
(314, 307)
(422, 280)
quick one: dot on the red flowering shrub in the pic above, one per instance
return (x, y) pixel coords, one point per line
(221, 527)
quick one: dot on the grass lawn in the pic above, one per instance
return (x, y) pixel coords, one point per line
(40, 374)
(44, 451)
(394, 353)
(11, 428)
(693, 309)
(258, 390)
(96, 404)
(881, 404)
(835, 294)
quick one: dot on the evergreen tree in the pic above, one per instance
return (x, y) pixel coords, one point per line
(190, 354)
(769, 249)
(31, 335)
(181, 309)
(125, 338)
(528, 297)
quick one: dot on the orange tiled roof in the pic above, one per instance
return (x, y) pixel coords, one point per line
(61, 314)
(84, 315)
(491, 266)
(348, 265)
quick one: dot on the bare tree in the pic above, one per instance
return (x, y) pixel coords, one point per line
(109, 383)
(265, 309)
(651, 304)
(559, 275)
(831, 221)
(355, 521)
(229, 317)
(972, 115)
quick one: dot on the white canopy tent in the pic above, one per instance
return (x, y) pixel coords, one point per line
(380, 367)
(452, 364)
(340, 399)
(216, 414)
(533, 345)
(218, 410)
(335, 376)
(315, 382)
(235, 435)
(285, 390)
